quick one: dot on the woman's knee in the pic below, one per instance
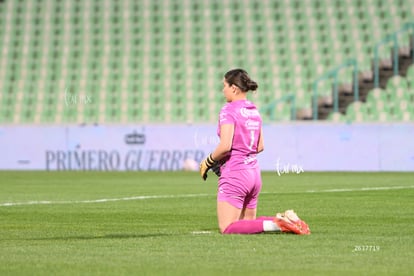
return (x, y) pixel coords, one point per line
(223, 227)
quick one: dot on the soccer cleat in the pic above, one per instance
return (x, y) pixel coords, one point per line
(302, 225)
(289, 222)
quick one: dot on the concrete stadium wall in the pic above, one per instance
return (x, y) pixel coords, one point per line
(289, 148)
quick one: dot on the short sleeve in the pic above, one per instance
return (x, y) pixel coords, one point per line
(226, 116)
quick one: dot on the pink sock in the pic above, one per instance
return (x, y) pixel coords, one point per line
(245, 227)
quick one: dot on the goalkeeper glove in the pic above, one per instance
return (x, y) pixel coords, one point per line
(205, 165)
(217, 168)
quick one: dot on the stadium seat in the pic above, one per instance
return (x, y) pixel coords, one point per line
(96, 46)
(410, 77)
(396, 82)
(337, 117)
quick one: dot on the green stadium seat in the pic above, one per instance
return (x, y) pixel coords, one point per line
(97, 45)
(356, 112)
(410, 77)
(337, 117)
(396, 82)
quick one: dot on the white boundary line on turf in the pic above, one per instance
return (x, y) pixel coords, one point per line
(361, 189)
(103, 200)
(201, 232)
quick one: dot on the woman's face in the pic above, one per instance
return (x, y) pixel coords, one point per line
(228, 91)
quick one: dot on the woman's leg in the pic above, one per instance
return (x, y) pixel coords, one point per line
(237, 221)
(236, 202)
(226, 214)
(230, 223)
(248, 213)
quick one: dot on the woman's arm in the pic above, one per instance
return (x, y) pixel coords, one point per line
(260, 146)
(226, 142)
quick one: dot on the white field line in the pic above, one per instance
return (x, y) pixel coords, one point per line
(201, 232)
(361, 189)
(103, 200)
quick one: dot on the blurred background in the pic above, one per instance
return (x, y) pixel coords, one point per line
(124, 61)
(81, 62)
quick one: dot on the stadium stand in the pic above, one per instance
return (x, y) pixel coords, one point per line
(108, 61)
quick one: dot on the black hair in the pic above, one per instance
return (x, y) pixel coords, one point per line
(241, 79)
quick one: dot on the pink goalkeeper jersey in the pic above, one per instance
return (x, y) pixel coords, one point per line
(247, 122)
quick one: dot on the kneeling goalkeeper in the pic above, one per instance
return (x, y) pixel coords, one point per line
(234, 160)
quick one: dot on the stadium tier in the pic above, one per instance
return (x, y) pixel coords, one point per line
(108, 61)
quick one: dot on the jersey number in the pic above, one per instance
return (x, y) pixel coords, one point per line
(251, 139)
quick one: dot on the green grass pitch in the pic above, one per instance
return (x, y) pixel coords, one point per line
(164, 223)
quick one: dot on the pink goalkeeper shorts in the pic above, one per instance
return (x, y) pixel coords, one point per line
(240, 188)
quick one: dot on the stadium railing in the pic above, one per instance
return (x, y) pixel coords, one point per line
(270, 108)
(393, 38)
(333, 74)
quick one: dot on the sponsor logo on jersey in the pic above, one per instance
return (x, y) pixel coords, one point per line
(252, 124)
(246, 113)
(250, 159)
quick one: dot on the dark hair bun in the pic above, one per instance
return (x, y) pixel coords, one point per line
(252, 85)
(241, 79)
